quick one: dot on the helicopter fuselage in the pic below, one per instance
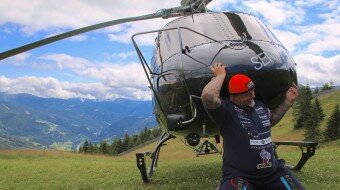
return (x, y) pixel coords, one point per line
(187, 47)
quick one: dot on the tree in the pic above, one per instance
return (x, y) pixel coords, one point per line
(81, 149)
(138, 141)
(86, 146)
(144, 135)
(93, 148)
(327, 86)
(312, 123)
(120, 145)
(332, 131)
(104, 148)
(117, 145)
(316, 90)
(156, 132)
(134, 138)
(126, 142)
(302, 108)
(318, 111)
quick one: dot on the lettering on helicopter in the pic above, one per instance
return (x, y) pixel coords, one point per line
(261, 60)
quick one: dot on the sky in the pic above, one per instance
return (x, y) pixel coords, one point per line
(103, 65)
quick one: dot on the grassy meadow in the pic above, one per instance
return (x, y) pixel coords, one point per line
(178, 166)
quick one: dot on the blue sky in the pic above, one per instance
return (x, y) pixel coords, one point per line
(103, 65)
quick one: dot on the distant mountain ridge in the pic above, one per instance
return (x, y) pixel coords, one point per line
(27, 121)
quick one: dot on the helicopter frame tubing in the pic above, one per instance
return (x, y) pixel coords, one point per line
(140, 157)
(149, 73)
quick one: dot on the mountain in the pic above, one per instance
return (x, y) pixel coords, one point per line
(27, 121)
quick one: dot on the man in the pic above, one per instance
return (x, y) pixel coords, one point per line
(245, 123)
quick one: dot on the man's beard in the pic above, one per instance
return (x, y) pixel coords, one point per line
(251, 104)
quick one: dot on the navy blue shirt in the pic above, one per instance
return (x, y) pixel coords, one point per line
(247, 143)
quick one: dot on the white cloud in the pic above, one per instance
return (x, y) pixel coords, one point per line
(314, 38)
(7, 31)
(317, 70)
(17, 60)
(219, 5)
(276, 12)
(64, 61)
(124, 35)
(41, 15)
(79, 38)
(324, 44)
(320, 37)
(115, 75)
(51, 87)
(308, 3)
(122, 55)
(289, 39)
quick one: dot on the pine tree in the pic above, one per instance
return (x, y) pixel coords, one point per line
(92, 149)
(312, 123)
(86, 146)
(302, 108)
(112, 150)
(143, 135)
(103, 148)
(156, 132)
(81, 149)
(117, 145)
(332, 131)
(138, 141)
(126, 140)
(319, 114)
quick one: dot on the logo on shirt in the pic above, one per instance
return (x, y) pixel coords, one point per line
(259, 110)
(246, 124)
(266, 123)
(256, 134)
(266, 156)
(263, 117)
(238, 109)
(260, 142)
(241, 116)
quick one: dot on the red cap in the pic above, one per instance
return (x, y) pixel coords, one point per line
(239, 84)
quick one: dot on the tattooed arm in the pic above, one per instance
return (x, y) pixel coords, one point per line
(211, 92)
(279, 112)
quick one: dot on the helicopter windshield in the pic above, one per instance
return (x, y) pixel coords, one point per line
(223, 27)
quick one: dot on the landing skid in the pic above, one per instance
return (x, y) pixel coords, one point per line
(206, 148)
(154, 158)
(307, 151)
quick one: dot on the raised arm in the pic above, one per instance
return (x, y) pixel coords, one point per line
(211, 92)
(279, 112)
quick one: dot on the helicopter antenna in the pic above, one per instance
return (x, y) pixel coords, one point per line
(184, 9)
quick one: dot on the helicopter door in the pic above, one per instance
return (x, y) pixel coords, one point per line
(170, 88)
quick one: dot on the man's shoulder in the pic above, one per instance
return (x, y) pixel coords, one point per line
(260, 103)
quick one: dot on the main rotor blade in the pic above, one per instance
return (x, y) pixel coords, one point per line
(58, 37)
(165, 13)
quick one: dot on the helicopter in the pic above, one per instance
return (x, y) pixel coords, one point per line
(184, 50)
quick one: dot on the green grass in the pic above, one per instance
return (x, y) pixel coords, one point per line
(178, 167)
(65, 170)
